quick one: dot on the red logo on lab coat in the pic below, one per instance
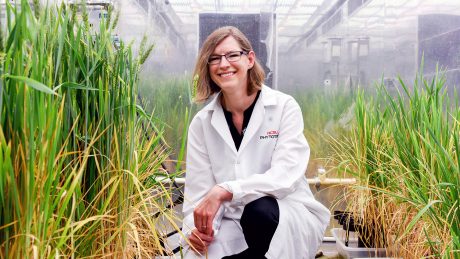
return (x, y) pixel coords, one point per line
(270, 134)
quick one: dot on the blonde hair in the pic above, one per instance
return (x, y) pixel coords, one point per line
(205, 87)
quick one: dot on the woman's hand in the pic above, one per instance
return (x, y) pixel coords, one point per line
(200, 241)
(205, 212)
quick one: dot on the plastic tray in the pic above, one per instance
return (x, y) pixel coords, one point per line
(352, 250)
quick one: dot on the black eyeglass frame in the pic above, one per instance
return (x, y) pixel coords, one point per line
(218, 58)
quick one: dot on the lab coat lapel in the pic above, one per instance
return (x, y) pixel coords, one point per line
(219, 123)
(256, 120)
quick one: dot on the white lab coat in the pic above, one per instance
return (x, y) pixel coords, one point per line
(271, 160)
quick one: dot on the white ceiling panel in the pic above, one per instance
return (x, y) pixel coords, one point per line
(297, 20)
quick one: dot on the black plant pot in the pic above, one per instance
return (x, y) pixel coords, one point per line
(366, 234)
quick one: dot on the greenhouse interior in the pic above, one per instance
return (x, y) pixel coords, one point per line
(97, 98)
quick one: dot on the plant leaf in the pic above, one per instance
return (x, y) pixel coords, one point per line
(34, 84)
(417, 217)
(72, 85)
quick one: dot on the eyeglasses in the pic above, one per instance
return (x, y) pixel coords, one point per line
(232, 56)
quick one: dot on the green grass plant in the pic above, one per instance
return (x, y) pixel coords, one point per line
(170, 99)
(404, 151)
(327, 113)
(79, 158)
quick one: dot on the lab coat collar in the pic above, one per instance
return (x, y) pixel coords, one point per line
(267, 98)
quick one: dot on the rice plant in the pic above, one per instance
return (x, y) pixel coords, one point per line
(405, 153)
(78, 156)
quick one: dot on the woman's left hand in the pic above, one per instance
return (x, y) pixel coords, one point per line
(205, 212)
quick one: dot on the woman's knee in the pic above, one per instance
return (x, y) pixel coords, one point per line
(259, 212)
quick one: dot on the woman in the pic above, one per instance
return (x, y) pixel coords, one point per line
(246, 195)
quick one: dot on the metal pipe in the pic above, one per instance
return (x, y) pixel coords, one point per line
(329, 239)
(313, 181)
(331, 181)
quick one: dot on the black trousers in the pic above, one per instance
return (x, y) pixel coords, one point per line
(259, 221)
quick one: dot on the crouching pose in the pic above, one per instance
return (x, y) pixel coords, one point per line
(246, 195)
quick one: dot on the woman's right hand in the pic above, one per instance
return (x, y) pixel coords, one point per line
(200, 241)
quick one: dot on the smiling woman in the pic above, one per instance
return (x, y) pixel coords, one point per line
(209, 63)
(246, 195)
(230, 74)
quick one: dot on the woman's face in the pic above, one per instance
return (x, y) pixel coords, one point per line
(230, 75)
